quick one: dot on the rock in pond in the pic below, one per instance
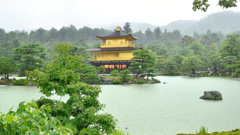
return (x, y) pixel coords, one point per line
(212, 95)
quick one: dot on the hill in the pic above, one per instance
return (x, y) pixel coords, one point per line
(226, 22)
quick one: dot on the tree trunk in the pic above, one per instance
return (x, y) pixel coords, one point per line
(137, 74)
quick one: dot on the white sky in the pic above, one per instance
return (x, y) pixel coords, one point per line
(33, 14)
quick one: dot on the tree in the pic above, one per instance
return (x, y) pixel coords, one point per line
(125, 75)
(32, 120)
(150, 72)
(231, 46)
(28, 57)
(6, 49)
(203, 4)
(157, 33)
(215, 61)
(197, 48)
(170, 67)
(114, 73)
(7, 66)
(80, 111)
(101, 70)
(192, 63)
(142, 60)
(229, 63)
(186, 41)
(127, 28)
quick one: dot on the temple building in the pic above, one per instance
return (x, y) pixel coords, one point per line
(115, 53)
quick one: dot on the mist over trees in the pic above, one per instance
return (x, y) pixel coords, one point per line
(172, 48)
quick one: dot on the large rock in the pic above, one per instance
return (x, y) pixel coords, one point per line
(212, 95)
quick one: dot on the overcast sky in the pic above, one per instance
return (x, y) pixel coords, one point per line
(33, 14)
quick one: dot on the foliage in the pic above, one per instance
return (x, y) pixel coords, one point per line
(29, 119)
(231, 46)
(191, 62)
(28, 57)
(88, 73)
(4, 82)
(141, 81)
(142, 60)
(120, 132)
(237, 73)
(19, 82)
(101, 70)
(114, 73)
(80, 111)
(170, 67)
(151, 72)
(116, 82)
(127, 28)
(125, 75)
(203, 4)
(202, 130)
(7, 66)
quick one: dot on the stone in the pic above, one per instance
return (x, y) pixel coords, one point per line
(212, 95)
(30, 83)
(156, 80)
(14, 78)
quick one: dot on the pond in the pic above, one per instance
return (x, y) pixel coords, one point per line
(158, 109)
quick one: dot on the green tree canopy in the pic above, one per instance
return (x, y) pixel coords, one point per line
(28, 57)
(80, 111)
(125, 75)
(7, 66)
(142, 60)
(191, 63)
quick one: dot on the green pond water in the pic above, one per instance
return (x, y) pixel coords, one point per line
(158, 109)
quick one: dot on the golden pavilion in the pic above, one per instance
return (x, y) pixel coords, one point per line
(115, 53)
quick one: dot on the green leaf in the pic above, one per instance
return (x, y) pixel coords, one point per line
(53, 133)
(41, 120)
(47, 128)
(21, 104)
(54, 121)
(23, 128)
(31, 132)
(9, 119)
(34, 105)
(29, 123)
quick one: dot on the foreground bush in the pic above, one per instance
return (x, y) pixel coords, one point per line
(31, 120)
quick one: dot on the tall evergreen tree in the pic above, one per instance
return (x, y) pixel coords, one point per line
(28, 57)
(127, 28)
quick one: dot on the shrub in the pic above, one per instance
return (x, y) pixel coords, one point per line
(116, 82)
(120, 132)
(20, 82)
(237, 73)
(115, 73)
(141, 81)
(202, 130)
(124, 75)
(3, 82)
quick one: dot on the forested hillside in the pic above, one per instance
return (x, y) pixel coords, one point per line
(226, 22)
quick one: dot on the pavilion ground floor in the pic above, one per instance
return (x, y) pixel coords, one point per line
(111, 65)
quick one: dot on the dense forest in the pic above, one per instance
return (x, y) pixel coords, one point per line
(175, 52)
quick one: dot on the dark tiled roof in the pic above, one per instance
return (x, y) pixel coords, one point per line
(116, 34)
(112, 49)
